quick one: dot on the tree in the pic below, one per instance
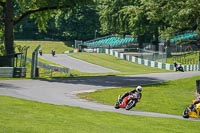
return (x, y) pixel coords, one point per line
(13, 11)
(174, 15)
(155, 14)
(149, 19)
(79, 24)
(125, 17)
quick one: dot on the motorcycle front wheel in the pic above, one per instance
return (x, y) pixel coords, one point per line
(185, 113)
(130, 104)
(117, 105)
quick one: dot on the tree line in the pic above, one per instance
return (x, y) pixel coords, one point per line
(147, 20)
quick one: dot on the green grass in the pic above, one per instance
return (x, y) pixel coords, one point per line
(21, 116)
(185, 58)
(46, 46)
(170, 97)
(123, 66)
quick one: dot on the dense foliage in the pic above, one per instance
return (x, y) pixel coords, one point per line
(14, 11)
(147, 20)
(79, 24)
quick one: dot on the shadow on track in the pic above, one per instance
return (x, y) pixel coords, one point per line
(109, 81)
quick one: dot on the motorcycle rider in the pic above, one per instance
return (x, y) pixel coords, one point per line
(53, 52)
(138, 91)
(180, 68)
(196, 101)
(176, 66)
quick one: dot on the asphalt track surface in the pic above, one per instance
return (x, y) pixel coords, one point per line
(63, 92)
(76, 64)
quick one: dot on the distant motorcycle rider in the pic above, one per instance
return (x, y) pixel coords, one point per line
(137, 91)
(53, 52)
(180, 68)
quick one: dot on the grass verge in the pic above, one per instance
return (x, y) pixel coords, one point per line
(46, 46)
(170, 97)
(32, 117)
(124, 67)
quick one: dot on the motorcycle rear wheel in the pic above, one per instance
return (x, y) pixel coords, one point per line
(130, 104)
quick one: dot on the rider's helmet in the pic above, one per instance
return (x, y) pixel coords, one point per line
(198, 97)
(139, 89)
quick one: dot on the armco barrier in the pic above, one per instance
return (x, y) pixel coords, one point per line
(10, 72)
(19, 72)
(6, 72)
(166, 66)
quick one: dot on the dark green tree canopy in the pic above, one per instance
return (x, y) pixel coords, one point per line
(148, 20)
(13, 11)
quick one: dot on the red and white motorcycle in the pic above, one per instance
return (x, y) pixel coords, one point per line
(128, 102)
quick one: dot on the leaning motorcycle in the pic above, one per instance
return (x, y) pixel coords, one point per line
(180, 69)
(192, 113)
(128, 102)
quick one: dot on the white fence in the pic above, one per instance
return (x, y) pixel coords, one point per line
(166, 66)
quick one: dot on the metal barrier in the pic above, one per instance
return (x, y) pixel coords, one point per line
(51, 68)
(6, 72)
(12, 72)
(19, 72)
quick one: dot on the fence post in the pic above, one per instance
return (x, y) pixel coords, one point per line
(34, 62)
(199, 62)
(198, 86)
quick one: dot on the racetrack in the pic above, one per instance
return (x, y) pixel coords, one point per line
(76, 64)
(63, 92)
